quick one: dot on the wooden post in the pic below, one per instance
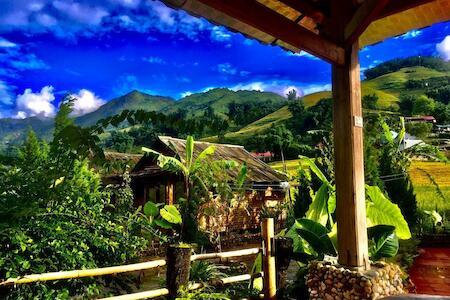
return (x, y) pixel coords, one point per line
(269, 281)
(178, 260)
(349, 162)
(169, 192)
(283, 254)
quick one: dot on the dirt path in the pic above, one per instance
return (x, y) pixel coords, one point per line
(431, 271)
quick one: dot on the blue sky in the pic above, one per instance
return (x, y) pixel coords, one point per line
(98, 50)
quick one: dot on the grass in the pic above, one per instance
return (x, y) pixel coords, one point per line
(291, 166)
(427, 196)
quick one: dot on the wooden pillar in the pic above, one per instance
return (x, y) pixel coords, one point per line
(170, 192)
(269, 282)
(349, 162)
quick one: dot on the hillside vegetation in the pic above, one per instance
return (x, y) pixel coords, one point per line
(218, 100)
(387, 87)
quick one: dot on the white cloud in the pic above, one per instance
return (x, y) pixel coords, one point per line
(163, 12)
(314, 88)
(86, 102)
(127, 3)
(443, 48)
(411, 34)
(282, 87)
(154, 60)
(85, 14)
(303, 54)
(226, 68)
(185, 94)
(36, 104)
(6, 97)
(220, 34)
(4, 43)
(28, 62)
(46, 20)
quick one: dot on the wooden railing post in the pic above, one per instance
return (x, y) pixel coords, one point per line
(178, 260)
(269, 282)
(283, 253)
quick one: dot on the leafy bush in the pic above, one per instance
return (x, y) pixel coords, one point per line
(55, 215)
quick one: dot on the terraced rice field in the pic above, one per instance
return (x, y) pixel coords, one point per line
(427, 196)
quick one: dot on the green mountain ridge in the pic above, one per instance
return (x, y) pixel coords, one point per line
(13, 131)
(218, 99)
(388, 88)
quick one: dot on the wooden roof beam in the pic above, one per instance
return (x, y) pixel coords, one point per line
(361, 19)
(263, 18)
(307, 8)
(397, 6)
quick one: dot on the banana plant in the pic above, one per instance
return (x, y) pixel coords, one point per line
(379, 209)
(312, 241)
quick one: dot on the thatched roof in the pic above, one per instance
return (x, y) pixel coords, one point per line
(257, 170)
(397, 18)
(122, 157)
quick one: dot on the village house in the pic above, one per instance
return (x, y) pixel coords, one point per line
(264, 186)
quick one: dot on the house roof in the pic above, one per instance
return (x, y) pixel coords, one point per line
(257, 170)
(256, 18)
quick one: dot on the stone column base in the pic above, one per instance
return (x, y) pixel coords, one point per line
(330, 281)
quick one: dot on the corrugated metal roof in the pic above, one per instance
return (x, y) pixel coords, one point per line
(257, 170)
(418, 17)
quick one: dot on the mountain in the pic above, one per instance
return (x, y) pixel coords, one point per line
(13, 131)
(132, 101)
(410, 80)
(219, 98)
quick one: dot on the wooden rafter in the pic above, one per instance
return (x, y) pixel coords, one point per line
(361, 19)
(263, 18)
(396, 6)
(307, 8)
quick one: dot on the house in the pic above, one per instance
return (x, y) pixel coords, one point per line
(264, 156)
(409, 141)
(264, 186)
(421, 119)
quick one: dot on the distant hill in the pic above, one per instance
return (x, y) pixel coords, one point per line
(13, 131)
(388, 87)
(219, 98)
(132, 101)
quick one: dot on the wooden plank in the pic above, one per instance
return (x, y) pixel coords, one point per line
(141, 295)
(396, 6)
(349, 162)
(263, 18)
(83, 273)
(307, 8)
(362, 18)
(268, 259)
(236, 253)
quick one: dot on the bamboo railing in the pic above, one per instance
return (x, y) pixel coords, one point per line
(75, 274)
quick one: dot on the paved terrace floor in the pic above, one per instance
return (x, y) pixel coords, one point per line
(431, 272)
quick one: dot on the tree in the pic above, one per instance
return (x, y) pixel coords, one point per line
(278, 139)
(55, 215)
(406, 104)
(442, 113)
(370, 101)
(394, 165)
(120, 141)
(420, 130)
(292, 95)
(423, 106)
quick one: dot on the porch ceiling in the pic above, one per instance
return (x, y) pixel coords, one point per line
(308, 24)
